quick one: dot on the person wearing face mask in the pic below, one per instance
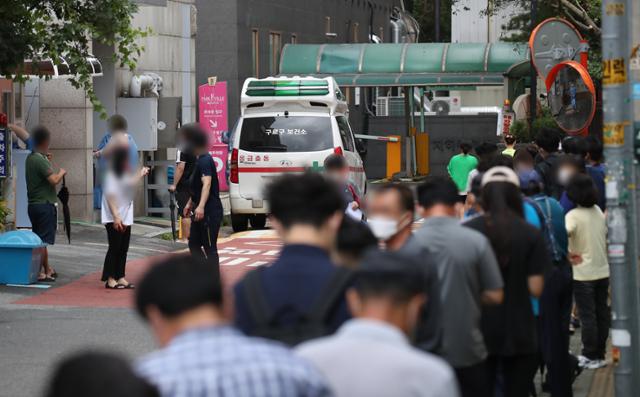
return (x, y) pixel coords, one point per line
(336, 169)
(391, 214)
(568, 167)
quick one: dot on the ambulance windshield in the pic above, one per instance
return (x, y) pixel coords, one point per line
(286, 134)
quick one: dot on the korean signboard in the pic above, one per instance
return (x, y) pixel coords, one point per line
(5, 146)
(213, 116)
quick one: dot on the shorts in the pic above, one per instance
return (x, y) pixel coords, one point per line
(44, 220)
(182, 198)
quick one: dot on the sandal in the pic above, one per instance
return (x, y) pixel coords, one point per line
(117, 286)
(46, 279)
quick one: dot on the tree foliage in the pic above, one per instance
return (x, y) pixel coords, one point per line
(424, 13)
(51, 29)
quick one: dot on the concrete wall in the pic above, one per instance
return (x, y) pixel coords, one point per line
(69, 116)
(224, 40)
(470, 24)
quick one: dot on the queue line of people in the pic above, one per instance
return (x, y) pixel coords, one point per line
(358, 303)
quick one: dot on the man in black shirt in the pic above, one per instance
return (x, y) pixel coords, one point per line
(204, 205)
(185, 163)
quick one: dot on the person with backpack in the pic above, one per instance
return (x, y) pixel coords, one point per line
(556, 299)
(371, 354)
(548, 141)
(301, 296)
(509, 329)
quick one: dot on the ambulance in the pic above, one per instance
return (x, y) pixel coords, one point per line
(287, 125)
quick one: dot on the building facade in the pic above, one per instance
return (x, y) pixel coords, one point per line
(238, 39)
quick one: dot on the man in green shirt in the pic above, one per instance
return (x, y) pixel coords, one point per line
(510, 141)
(459, 168)
(41, 194)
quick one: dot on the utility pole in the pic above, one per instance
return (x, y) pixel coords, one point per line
(618, 139)
(533, 96)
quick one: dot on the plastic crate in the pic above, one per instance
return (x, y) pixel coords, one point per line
(20, 257)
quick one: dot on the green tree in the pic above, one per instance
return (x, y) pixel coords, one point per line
(51, 29)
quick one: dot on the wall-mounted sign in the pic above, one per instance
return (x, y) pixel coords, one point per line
(5, 146)
(213, 106)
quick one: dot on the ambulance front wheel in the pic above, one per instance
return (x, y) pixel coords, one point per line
(258, 221)
(239, 222)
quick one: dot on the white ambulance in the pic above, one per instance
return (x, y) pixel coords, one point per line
(287, 124)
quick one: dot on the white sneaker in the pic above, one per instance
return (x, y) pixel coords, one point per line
(582, 361)
(595, 364)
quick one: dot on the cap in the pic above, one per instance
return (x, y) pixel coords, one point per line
(528, 178)
(500, 174)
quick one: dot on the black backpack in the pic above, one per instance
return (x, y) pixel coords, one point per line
(310, 325)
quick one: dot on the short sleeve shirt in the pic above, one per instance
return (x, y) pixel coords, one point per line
(185, 156)
(466, 266)
(121, 189)
(587, 230)
(205, 167)
(37, 171)
(510, 328)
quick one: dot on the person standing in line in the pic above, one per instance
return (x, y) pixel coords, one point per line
(370, 355)
(510, 141)
(548, 142)
(353, 239)
(97, 374)
(185, 163)
(117, 216)
(337, 169)
(459, 168)
(509, 329)
(587, 230)
(391, 213)
(301, 295)
(181, 298)
(204, 201)
(557, 296)
(469, 277)
(596, 168)
(41, 196)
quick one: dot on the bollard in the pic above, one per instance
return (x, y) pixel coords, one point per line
(422, 153)
(394, 156)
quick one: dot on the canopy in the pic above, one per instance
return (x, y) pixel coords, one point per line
(405, 64)
(47, 67)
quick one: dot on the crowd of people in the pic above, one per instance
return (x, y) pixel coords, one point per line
(466, 285)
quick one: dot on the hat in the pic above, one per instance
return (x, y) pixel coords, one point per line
(500, 174)
(529, 178)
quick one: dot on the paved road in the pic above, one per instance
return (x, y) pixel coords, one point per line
(39, 326)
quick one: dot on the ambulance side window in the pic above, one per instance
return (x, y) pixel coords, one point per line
(345, 133)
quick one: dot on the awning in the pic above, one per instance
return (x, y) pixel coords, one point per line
(48, 67)
(407, 64)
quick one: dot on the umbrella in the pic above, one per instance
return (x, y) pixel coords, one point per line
(63, 195)
(172, 208)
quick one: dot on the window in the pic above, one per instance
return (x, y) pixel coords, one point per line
(356, 32)
(286, 134)
(255, 53)
(17, 94)
(294, 39)
(345, 133)
(275, 47)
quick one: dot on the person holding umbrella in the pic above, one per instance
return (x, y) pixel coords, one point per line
(41, 195)
(204, 206)
(117, 215)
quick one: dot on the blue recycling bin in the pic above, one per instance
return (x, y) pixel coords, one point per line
(20, 257)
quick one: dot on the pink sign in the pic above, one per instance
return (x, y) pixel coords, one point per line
(219, 154)
(212, 104)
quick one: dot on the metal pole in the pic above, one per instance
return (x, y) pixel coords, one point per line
(533, 97)
(618, 143)
(436, 17)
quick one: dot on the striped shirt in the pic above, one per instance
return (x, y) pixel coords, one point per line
(220, 361)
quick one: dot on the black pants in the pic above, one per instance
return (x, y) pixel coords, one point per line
(116, 258)
(595, 317)
(517, 373)
(203, 238)
(555, 312)
(473, 381)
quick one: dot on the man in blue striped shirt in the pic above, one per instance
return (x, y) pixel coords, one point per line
(202, 356)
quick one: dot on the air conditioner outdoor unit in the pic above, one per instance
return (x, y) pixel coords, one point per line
(446, 105)
(382, 106)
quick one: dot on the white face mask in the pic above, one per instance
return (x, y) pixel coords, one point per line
(383, 228)
(564, 174)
